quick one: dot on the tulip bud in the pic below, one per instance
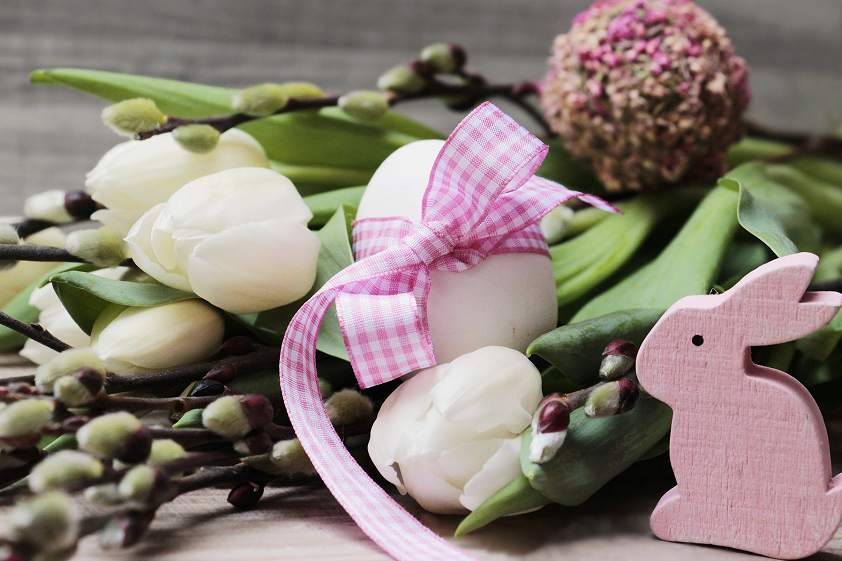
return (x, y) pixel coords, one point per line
(260, 101)
(48, 206)
(134, 176)
(143, 483)
(8, 236)
(612, 398)
(364, 105)
(245, 495)
(116, 436)
(79, 388)
(103, 495)
(289, 457)
(24, 418)
(401, 79)
(549, 428)
(46, 523)
(617, 359)
(443, 57)
(66, 468)
(175, 334)
(102, 246)
(235, 416)
(199, 139)
(348, 406)
(556, 223)
(66, 363)
(133, 116)
(164, 451)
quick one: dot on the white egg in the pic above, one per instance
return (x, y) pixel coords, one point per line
(507, 300)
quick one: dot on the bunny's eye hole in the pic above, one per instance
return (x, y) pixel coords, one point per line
(698, 340)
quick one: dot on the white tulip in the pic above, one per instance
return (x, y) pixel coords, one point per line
(55, 319)
(136, 175)
(450, 436)
(131, 340)
(237, 238)
(507, 300)
(14, 280)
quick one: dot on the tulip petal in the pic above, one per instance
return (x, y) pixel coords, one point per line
(227, 199)
(255, 267)
(159, 337)
(460, 463)
(139, 241)
(428, 486)
(498, 471)
(403, 408)
(491, 379)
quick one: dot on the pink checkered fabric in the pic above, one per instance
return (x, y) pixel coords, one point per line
(482, 199)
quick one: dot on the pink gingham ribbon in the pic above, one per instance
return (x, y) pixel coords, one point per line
(482, 199)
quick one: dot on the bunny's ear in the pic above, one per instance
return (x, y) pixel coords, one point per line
(772, 303)
(783, 280)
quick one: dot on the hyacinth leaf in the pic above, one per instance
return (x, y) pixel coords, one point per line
(516, 497)
(823, 169)
(688, 265)
(19, 307)
(324, 138)
(751, 149)
(579, 265)
(576, 349)
(824, 199)
(191, 419)
(596, 450)
(324, 205)
(336, 253)
(755, 218)
(85, 296)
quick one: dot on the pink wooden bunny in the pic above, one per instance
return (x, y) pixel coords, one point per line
(748, 445)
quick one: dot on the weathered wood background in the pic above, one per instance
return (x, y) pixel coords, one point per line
(49, 138)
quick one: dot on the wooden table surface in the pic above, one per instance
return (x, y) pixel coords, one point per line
(51, 137)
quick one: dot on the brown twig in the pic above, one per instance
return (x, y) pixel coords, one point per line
(235, 365)
(33, 330)
(804, 143)
(434, 88)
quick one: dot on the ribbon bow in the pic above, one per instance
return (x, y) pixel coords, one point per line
(482, 199)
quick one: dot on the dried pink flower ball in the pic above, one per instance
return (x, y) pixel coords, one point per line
(649, 93)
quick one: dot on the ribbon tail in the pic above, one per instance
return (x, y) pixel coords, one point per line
(385, 336)
(378, 515)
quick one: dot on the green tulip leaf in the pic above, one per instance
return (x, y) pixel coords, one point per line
(516, 497)
(579, 265)
(824, 199)
(324, 205)
(19, 307)
(754, 216)
(576, 349)
(336, 253)
(85, 296)
(596, 450)
(323, 138)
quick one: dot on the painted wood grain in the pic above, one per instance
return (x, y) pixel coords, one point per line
(748, 444)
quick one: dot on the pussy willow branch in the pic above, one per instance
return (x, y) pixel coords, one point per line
(42, 253)
(578, 398)
(263, 357)
(33, 331)
(433, 89)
